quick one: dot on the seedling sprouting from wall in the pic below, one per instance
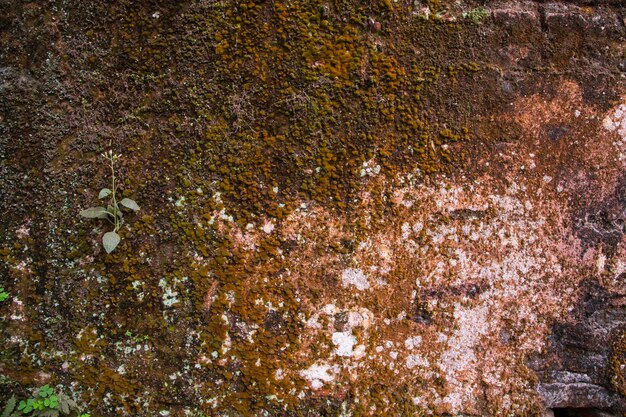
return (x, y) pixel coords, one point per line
(112, 212)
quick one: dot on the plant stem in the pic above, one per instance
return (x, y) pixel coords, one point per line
(117, 226)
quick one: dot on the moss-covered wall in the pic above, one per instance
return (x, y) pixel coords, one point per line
(347, 207)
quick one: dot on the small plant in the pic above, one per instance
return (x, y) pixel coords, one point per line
(112, 211)
(3, 294)
(135, 338)
(476, 15)
(45, 402)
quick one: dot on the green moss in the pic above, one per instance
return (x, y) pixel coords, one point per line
(617, 375)
(242, 110)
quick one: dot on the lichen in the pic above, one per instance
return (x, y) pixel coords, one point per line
(313, 239)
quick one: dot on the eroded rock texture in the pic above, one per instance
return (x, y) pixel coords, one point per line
(355, 208)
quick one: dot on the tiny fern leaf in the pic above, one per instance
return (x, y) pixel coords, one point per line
(64, 406)
(9, 407)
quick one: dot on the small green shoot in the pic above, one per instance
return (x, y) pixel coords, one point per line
(45, 402)
(476, 15)
(112, 212)
(3, 294)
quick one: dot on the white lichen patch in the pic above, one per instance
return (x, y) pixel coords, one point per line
(413, 361)
(268, 227)
(344, 342)
(459, 359)
(615, 121)
(355, 277)
(413, 342)
(370, 168)
(169, 296)
(319, 374)
(362, 317)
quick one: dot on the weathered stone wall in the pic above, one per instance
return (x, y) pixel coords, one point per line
(385, 208)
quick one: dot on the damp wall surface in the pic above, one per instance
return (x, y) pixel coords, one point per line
(348, 208)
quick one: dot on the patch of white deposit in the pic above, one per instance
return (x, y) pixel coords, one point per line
(268, 227)
(406, 230)
(318, 375)
(355, 277)
(370, 168)
(416, 360)
(361, 318)
(460, 357)
(169, 296)
(345, 342)
(413, 342)
(616, 122)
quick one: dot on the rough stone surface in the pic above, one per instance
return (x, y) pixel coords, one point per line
(577, 370)
(348, 208)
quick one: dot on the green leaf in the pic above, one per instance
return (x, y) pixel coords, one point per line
(104, 193)
(131, 204)
(110, 240)
(9, 407)
(45, 391)
(95, 213)
(22, 405)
